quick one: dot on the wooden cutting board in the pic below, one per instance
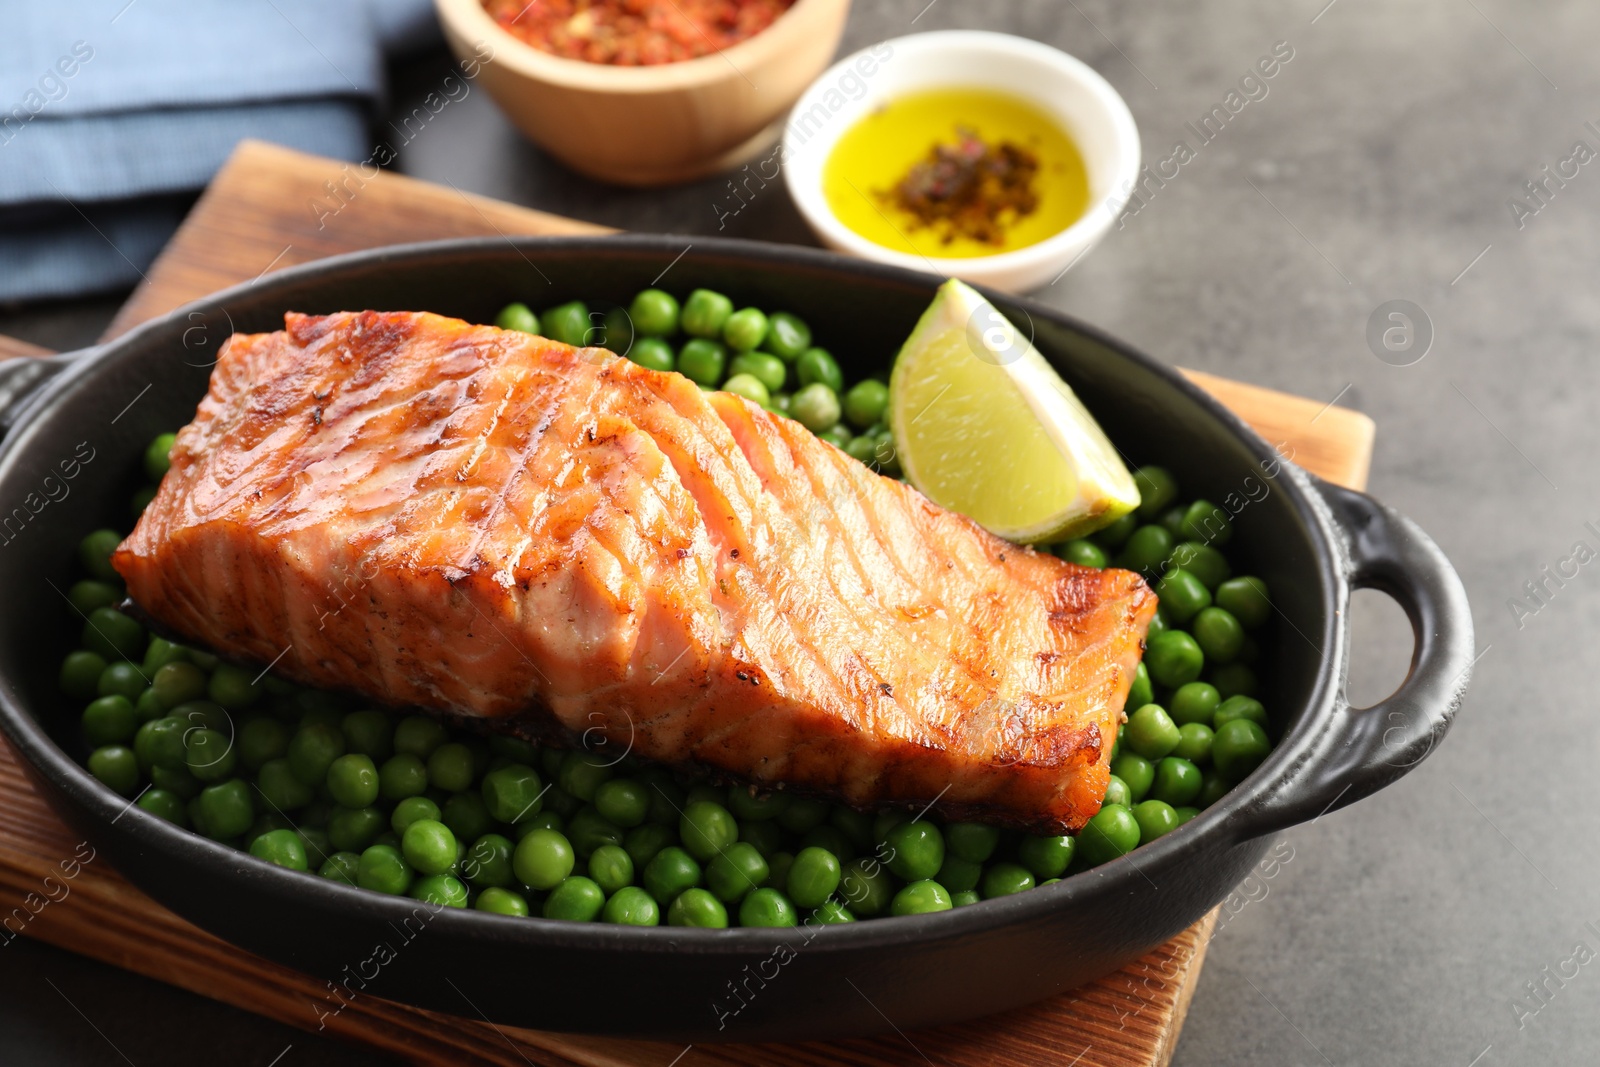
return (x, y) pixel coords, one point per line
(270, 207)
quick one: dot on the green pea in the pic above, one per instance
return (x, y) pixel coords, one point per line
(450, 767)
(654, 313)
(161, 652)
(971, 841)
(111, 635)
(121, 679)
(1206, 523)
(705, 313)
(965, 897)
(488, 861)
(1004, 879)
(1235, 679)
(1158, 624)
(178, 683)
(519, 317)
(353, 781)
(1151, 733)
(643, 843)
(109, 720)
(312, 750)
(863, 449)
(1135, 771)
(866, 886)
(368, 733)
(440, 890)
(282, 848)
(80, 674)
(920, 898)
(1117, 791)
(428, 846)
(833, 913)
(419, 735)
(611, 868)
(767, 907)
(160, 741)
(1238, 748)
(88, 596)
(669, 873)
(1157, 490)
(563, 803)
(1147, 550)
(1083, 552)
(816, 407)
(653, 353)
(542, 859)
(1212, 788)
(233, 687)
(410, 810)
(158, 456)
(917, 850)
(1246, 599)
(1155, 818)
(813, 877)
(281, 787)
(1174, 659)
(116, 767)
(1194, 702)
(744, 330)
(817, 366)
(1239, 707)
(802, 814)
(699, 908)
(782, 403)
(1177, 781)
(768, 369)
(765, 836)
(1218, 634)
(631, 906)
(702, 361)
(748, 803)
(224, 810)
(865, 403)
(203, 713)
(1046, 857)
(736, 871)
(500, 901)
(176, 780)
(582, 775)
(209, 754)
(1112, 832)
(567, 323)
(707, 828)
(1202, 561)
(512, 793)
(749, 387)
(94, 552)
(351, 830)
(958, 875)
(341, 867)
(1115, 534)
(589, 830)
(147, 707)
(1182, 595)
(1195, 744)
(383, 869)
(787, 336)
(1172, 520)
(403, 775)
(1141, 692)
(165, 805)
(262, 738)
(575, 899)
(206, 661)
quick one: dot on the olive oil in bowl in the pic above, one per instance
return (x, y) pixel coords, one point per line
(956, 173)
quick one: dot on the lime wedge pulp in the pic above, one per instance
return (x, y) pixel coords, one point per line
(984, 426)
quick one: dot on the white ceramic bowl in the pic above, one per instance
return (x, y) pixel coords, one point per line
(1066, 89)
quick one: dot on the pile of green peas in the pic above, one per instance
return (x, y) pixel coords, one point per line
(1194, 727)
(406, 804)
(767, 358)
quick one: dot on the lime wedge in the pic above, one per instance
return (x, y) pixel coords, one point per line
(984, 426)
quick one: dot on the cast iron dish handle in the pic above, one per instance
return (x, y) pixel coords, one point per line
(22, 377)
(1367, 748)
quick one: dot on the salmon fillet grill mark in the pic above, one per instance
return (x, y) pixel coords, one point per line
(558, 541)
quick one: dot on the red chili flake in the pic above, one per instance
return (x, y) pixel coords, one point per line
(969, 189)
(633, 33)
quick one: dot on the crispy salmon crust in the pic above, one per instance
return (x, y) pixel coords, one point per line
(493, 525)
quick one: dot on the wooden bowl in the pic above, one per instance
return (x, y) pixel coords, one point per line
(653, 125)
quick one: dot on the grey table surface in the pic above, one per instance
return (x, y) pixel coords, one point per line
(1382, 164)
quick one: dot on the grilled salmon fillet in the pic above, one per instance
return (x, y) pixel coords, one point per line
(565, 544)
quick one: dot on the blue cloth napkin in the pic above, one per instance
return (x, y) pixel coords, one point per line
(114, 112)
